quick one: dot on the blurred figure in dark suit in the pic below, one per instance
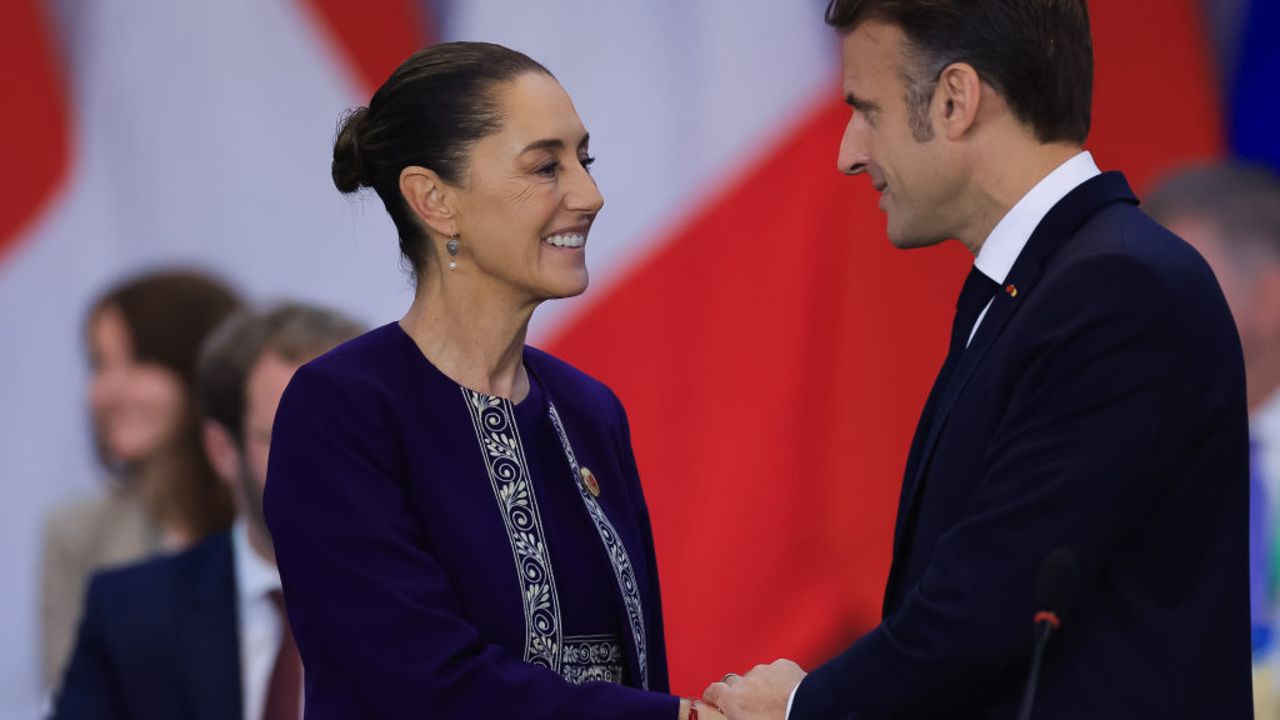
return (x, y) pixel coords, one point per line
(143, 337)
(1231, 214)
(202, 633)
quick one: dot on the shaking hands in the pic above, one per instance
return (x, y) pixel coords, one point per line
(761, 694)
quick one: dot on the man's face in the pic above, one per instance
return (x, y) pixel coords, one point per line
(263, 389)
(916, 178)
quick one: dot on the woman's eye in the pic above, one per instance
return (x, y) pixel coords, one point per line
(588, 161)
(549, 169)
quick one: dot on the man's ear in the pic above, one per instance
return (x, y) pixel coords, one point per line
(222, 451)
(959, 97)
(430, 198)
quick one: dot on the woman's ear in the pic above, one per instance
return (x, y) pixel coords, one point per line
(430, 198)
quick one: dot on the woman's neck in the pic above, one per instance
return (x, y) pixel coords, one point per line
(473, 334)
(153, 483)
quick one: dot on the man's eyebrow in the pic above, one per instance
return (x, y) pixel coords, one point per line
(860, 104)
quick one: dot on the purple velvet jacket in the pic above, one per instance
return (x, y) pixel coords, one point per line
(414, 558)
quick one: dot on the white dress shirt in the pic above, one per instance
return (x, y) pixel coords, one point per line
(261, 629)
(1003, 246)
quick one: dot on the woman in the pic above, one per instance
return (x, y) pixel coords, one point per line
(143, 338)
(457, 517)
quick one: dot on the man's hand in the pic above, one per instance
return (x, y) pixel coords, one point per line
(761, 694)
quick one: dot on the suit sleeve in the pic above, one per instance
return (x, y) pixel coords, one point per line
(1070, 464)
(88, 691)
(375, 616)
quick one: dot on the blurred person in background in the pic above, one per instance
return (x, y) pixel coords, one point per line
(1231, 214)
(143, 337)
(202, 632)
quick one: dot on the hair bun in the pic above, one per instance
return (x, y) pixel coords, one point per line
(348, 165)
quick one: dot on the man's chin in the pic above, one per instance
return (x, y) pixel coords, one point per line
(904, 239)
(911, 243)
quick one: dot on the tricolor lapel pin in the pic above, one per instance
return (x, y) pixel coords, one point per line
(1012, 290)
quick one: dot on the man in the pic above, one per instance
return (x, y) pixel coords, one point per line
(1231, 214)
(202, 634)
(1085, 440)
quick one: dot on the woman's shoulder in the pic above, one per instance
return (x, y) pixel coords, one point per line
(561, 376)
(374, 361)
(572, 389)
(373, 351)
(109, 526)
(92, 509)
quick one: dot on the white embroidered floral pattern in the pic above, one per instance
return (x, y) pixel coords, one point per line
(618, 558)
(589, 658)
(499, 438)
(495, 426)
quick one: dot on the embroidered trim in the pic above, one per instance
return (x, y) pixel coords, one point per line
(589, 658)
(618, 558)
(495, 426)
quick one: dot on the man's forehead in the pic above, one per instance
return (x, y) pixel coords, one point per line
(872, 48)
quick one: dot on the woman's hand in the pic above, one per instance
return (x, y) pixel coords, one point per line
(706, 711)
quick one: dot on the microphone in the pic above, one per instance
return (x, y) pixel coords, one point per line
(1059, 582)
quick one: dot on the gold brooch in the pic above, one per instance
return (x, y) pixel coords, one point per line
(590, 483)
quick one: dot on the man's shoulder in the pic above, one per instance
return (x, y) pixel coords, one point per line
(1120, 253)
(137, 588)
(1123, 231)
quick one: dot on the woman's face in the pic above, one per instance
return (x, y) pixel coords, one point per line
(527, 203)
(136, 407)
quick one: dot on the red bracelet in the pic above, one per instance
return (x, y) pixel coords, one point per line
(693, 708)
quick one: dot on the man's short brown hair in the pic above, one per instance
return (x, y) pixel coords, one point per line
(294, 331)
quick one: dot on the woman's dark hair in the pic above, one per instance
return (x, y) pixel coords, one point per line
(1038, 54)
(429, 113)
(168, 314)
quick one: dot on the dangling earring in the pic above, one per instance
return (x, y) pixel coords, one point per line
(452, 247)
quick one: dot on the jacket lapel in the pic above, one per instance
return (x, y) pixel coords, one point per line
(210, 638)
(618, 542)
(1053, 232)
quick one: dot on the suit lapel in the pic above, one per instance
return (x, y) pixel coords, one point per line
(210, 638)
(1053, 232)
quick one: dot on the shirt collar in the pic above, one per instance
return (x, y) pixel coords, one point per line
(1005, 243)
(255, 577)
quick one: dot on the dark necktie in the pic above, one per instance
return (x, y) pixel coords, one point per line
(284, 692)
(977, 291)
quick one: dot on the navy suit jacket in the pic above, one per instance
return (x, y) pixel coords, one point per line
(159, 639)
(1100, 407)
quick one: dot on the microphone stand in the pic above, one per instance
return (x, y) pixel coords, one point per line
(1046, 623)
